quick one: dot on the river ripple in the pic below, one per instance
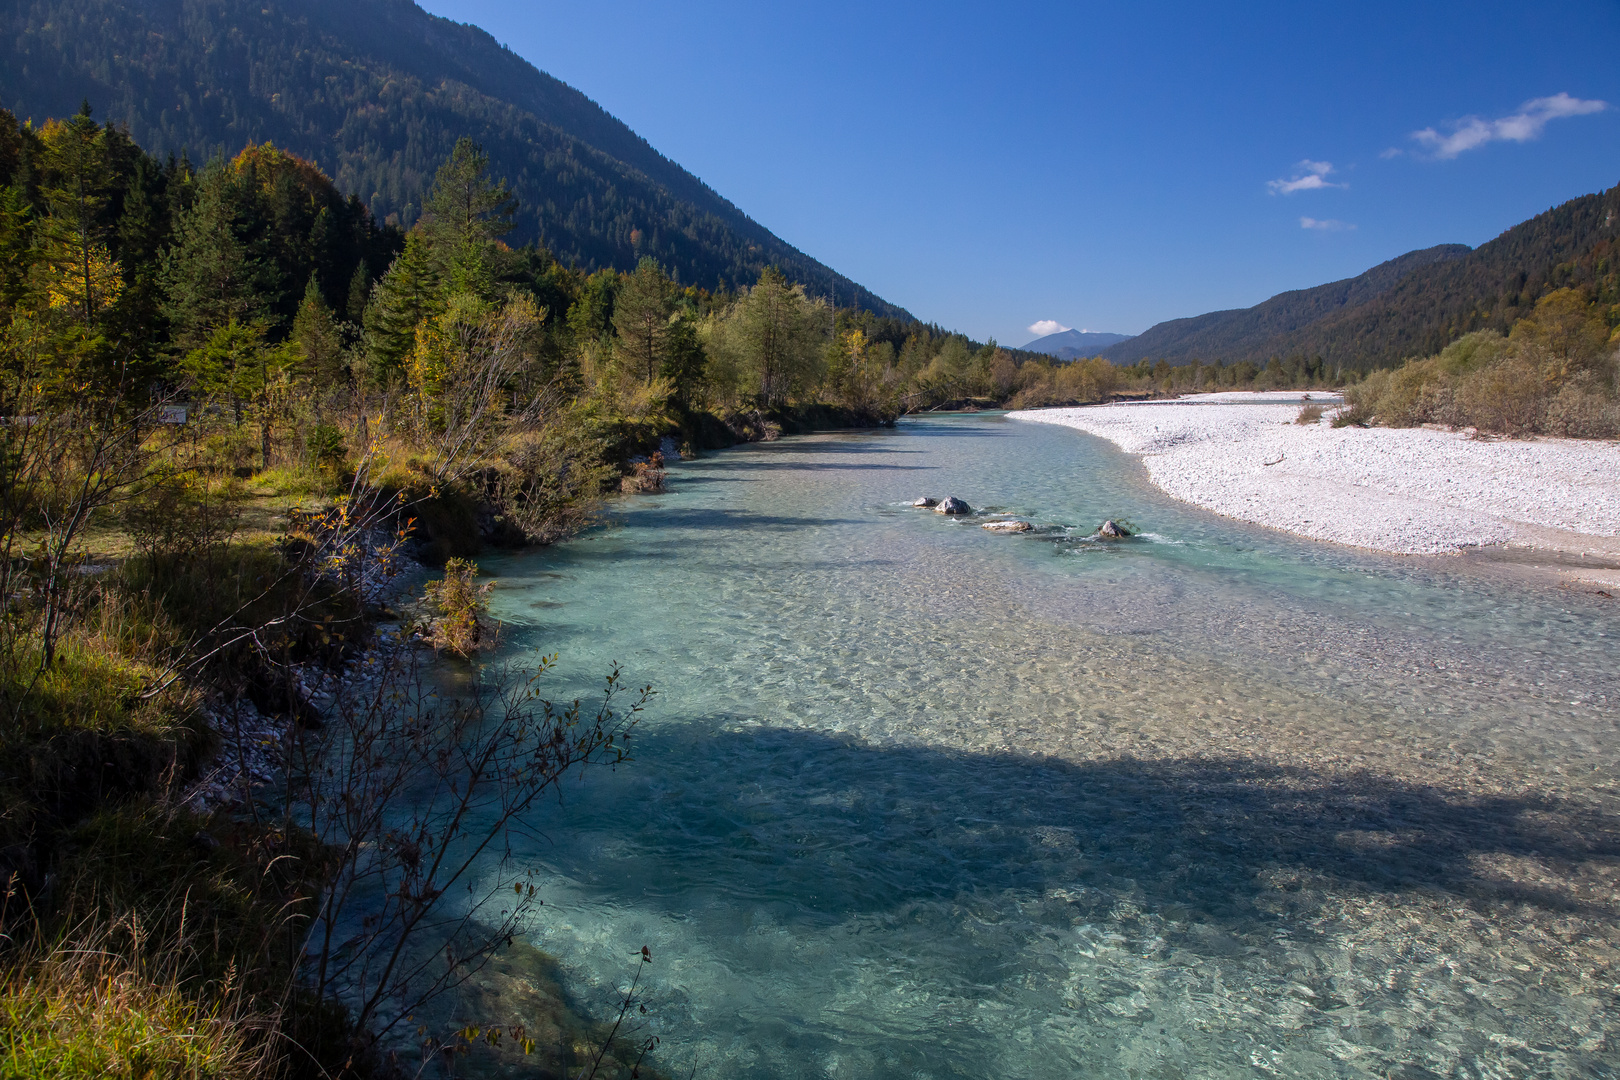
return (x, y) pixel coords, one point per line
(920, 800)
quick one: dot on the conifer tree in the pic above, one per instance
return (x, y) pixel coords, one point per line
(359, 294)
(317, 340)
(80, 275)
(214, 275)
(641, 315)
(465, 214)
(407, 294)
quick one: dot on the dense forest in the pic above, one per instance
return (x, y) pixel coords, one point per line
(1237, 333)
(376, 93)
(1419, 303)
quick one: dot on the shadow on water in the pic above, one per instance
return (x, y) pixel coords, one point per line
(799, 465)
(839, 827)
(717, 519)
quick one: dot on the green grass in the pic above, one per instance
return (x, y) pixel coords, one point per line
(78, 1014)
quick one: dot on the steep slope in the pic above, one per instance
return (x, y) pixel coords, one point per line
(377, 92)
(1244, 333)
(1073, 344)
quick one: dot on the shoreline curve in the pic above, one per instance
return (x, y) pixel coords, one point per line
(1404, 491)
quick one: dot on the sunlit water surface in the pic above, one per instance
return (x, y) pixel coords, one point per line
(919, 800)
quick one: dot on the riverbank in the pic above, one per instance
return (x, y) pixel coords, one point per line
(1409, 491)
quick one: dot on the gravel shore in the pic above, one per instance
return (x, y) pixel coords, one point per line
(1404, 490)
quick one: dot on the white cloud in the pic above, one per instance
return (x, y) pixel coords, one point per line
(1471, 132)
(1324, 224)
(1046, 326)
(1308, 176)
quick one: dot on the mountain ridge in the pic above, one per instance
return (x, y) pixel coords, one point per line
(1074, 344)
(1413, 305)
(376, 93)
(1218, 334)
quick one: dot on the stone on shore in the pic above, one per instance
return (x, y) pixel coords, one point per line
(952, 505)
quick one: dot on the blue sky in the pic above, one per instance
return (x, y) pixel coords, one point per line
(1103, 166)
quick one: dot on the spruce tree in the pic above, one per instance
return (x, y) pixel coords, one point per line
(407, 294)
(214, 276)
(317, 341)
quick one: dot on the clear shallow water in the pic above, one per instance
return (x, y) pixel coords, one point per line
(920, 800)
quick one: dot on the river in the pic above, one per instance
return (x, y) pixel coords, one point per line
(919, 800)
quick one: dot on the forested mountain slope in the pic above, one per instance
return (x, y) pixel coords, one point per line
(1414, 305)
(377, 92)
(1237, 331)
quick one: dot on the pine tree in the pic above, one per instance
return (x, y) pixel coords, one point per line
(407, 294)
(641, 314)
(80, 275)
(359, 294)
(317, 341)
(214, 276)
(465, 214)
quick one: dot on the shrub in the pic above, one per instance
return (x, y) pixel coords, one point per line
(461, 605)
(647, 477)
(325, 447)
(1508, 397)
(1310, 414)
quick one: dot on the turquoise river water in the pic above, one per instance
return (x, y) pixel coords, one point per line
(919, 800)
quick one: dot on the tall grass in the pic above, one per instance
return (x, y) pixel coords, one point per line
(87, 1006)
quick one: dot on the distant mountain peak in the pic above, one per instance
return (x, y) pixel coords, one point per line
(1073, 344)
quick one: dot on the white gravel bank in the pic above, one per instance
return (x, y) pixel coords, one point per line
(1404, 490)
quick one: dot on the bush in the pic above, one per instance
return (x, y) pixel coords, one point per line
(461, 605)
(1509, 398)
(1555, 374)
(1310, 414)
(325, 447)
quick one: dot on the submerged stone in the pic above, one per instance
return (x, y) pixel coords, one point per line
(1013, 526)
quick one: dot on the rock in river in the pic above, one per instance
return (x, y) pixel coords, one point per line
(1011, 526)
(952, 505)
(925, 502)
(1112, 530)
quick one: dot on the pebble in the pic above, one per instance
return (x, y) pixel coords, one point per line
(1408, 491)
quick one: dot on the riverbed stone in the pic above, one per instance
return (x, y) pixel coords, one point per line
(1011, 526)
(952, 505)
(925, 502)
(1112, 530)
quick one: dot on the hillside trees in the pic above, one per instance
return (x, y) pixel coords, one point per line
(770, 340)
(380, 93)
(1556, 372)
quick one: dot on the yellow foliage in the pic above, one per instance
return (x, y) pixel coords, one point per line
(88, 284)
